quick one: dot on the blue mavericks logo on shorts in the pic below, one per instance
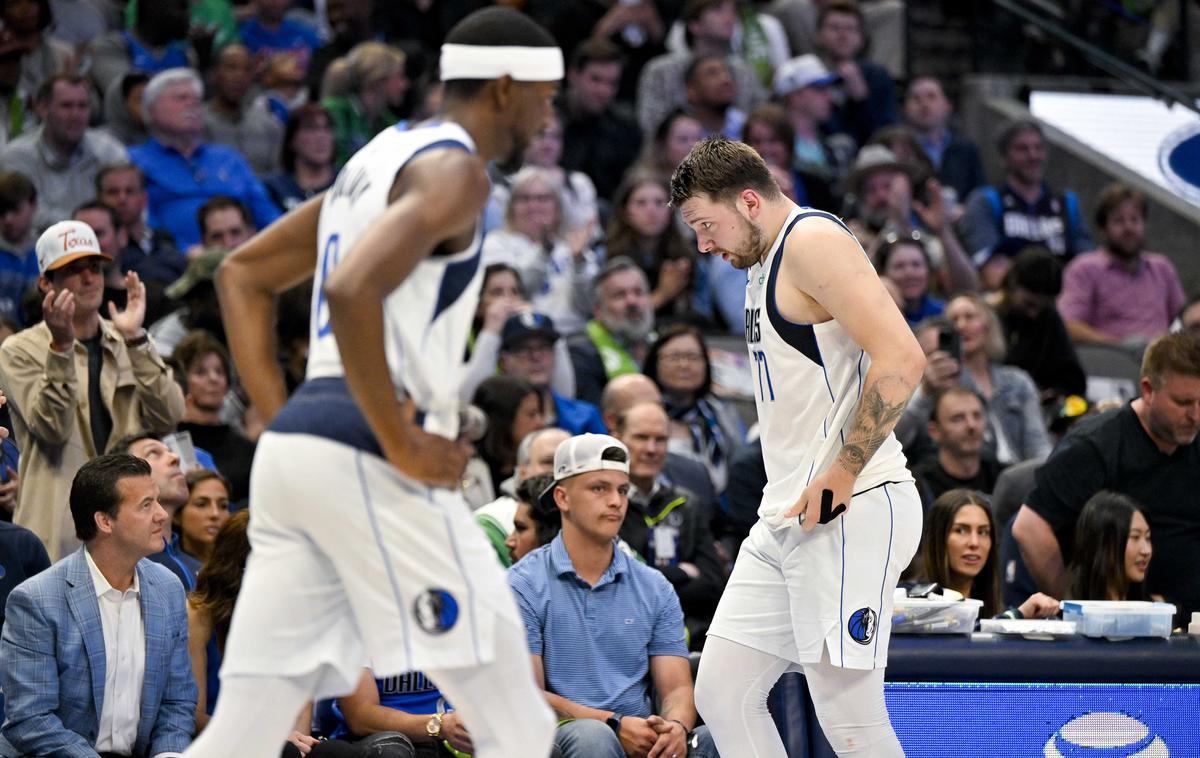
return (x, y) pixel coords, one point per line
(436, 611)
(861, 626)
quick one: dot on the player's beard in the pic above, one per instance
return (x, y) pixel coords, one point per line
(750, 249)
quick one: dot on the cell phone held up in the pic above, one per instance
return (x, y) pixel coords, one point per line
(949, 342)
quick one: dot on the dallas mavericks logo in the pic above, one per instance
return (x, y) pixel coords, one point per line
(1105, 734)
(1179, 159)
(861, 626)
(436, 611)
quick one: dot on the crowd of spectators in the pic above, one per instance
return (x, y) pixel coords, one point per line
(145, 140)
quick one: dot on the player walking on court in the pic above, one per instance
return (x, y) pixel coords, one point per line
(364, 553)
(834, 364)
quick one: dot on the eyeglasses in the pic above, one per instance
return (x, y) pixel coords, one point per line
(686, 357)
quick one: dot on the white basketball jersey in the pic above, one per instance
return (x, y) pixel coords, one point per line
(808, 381)
(427, 318)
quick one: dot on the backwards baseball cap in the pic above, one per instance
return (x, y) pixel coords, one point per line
(800, 72)
(526, 326)
(65, 242)
(583, 454)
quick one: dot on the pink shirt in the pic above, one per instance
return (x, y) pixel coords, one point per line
(1099, 290)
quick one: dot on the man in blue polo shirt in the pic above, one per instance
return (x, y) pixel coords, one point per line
(182, 171)
(605, 632)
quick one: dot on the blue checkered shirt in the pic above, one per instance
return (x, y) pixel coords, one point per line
(596, 642)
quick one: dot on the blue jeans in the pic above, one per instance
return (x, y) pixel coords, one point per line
(589, 738)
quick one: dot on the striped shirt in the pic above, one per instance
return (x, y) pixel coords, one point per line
(596, 642)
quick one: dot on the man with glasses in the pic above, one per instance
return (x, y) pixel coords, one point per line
(77, 381)
(527, 351)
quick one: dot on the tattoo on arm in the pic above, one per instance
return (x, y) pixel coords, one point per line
(881, 406)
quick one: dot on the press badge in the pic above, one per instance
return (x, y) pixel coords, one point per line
(665, 540)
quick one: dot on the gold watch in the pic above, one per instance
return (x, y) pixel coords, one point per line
(433, 727)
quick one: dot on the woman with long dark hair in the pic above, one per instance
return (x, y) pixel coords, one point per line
(642, 230)
(957, 552)
(1112, 550)
(306, 157)
(199, 520)
(703, 426)
(210, 608)
(514, 409)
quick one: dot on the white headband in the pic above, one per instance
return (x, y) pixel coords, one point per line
(525, 64)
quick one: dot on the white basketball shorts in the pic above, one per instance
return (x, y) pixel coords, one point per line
(792, 593)
(352, 563)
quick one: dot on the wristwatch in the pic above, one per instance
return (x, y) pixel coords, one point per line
(433, 727)
(614, 723)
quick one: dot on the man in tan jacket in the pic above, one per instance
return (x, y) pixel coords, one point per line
(77, 382)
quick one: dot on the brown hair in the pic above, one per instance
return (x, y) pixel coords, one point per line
(773, 117)
(1177, 353)
(595, 50)
(623, 240)
(220, 578)
(1112, 197)
(935, 559)
(721, 168)
(308, 114)
(197, 345)
(849, 7)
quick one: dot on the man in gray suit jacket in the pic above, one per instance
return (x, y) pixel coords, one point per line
(94, 656)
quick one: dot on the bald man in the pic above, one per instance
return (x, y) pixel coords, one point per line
(625, 391)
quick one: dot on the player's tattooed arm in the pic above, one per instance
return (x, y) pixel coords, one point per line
(879, 410)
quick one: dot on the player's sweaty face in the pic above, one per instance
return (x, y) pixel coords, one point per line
(721, 229)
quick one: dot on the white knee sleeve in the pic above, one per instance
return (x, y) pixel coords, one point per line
(731, 695)
(850, 707)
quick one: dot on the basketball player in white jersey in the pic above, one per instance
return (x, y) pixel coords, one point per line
(364, 553)
(834, 365)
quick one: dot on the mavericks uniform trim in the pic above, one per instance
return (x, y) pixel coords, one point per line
(353, 561)
(795, 594)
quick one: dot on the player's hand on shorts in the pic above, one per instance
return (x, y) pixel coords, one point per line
(454, 732)
(429, 458)
(825, 498)
(672, 738)
(637, 736)
(303, 742)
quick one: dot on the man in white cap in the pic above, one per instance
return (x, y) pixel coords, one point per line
(77, 381)
(806, 89)
(603, 628)
(364, 548)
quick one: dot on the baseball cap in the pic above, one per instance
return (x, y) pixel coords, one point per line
(65, 242)
(202, 268)
(583, 454)
(800, 72)
(524, 326)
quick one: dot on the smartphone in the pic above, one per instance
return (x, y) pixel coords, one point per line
(948, 342)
